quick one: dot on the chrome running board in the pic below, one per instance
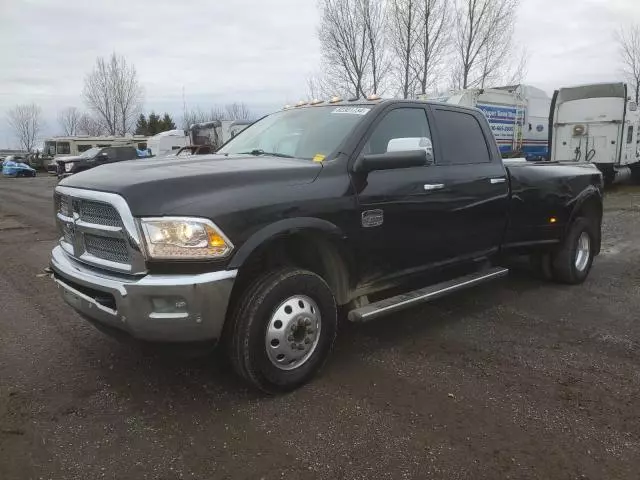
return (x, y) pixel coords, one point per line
(426, 294)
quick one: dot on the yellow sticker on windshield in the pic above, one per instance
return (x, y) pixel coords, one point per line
(318, 157)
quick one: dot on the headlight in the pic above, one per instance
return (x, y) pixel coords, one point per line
(184, 238)
(68, 166)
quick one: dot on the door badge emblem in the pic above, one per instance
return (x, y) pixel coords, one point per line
(372, 218)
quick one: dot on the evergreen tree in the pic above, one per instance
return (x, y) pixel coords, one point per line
(155, 125)
(142, 127)
(167, 123)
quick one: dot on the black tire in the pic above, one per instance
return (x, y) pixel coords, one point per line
(564, 260)
(541, 265)
(246, 339)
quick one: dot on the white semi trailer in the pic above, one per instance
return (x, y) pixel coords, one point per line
(596, 123)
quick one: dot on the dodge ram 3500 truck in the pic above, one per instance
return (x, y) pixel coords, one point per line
(368, 205)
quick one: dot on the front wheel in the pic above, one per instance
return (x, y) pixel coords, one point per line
(283, 330)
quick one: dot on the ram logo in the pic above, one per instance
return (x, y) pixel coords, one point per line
(372, 218)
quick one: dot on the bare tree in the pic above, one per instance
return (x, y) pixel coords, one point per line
(433, 31)
(237, 111)
(26, 123)
(374, 25)
(69, 119)
(88, 125)
(345, 47)
(484, 29)
(516, 73)
(629, 47)
(113, 94)
(198, 115)
(403, 32)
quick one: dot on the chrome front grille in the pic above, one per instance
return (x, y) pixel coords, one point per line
(98, 213)
(97, 228)
(111, 249)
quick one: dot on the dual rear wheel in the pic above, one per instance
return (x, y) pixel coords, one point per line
(571, 262)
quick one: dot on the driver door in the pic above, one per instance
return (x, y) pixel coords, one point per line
(401, 214)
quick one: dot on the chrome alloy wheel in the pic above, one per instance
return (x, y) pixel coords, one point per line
(583, 251)
(293, 332)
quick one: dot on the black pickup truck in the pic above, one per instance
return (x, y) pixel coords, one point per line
(371, 206)
(94, 157)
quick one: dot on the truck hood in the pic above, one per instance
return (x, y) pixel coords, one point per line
(159, 187)
(69, 158)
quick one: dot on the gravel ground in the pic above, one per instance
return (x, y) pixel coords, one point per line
(516, 379)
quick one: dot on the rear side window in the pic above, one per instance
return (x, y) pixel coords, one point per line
(630, 134)
(461, 138)
(127, 153)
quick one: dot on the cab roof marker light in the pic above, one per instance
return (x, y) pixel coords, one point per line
(317, 102)
(301, 103)
(335, 99)
(373, 96)
(286, 107)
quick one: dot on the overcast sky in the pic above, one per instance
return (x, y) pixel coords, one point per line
(256, 51)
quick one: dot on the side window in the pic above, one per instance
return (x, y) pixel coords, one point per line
(83, 148)
(461, 138)
(111, 153)
(64, 148)
(398, 123)
(630, 134)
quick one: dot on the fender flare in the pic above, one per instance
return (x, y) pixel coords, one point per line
(276, 229)
(586, 195)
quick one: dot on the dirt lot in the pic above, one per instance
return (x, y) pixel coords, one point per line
(517, 379)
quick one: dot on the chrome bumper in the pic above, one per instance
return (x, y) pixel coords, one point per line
(163, 308)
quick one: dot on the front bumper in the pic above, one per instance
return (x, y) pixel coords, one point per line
(198, 303)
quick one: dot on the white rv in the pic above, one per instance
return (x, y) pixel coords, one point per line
(62, 146)
(518, 116)
(597, 123)
(167, 142)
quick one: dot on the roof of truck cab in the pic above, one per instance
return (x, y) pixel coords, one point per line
(361, 102)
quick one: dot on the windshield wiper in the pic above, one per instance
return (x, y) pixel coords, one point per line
(259, 151)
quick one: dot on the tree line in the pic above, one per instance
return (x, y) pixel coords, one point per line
(391, 47)
(409, 47)
(114, 99)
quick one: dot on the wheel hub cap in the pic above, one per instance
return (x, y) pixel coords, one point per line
(293, 332)
(583, 252)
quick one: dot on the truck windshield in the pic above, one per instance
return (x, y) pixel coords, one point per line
(306, 133)
(92, 152)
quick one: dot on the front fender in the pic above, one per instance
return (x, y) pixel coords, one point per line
(281, 227)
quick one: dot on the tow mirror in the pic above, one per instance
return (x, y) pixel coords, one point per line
(411, 143)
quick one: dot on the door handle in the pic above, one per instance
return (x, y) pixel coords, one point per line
(497, 180)
(433, 186)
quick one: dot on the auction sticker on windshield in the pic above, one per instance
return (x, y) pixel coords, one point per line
(351, 110)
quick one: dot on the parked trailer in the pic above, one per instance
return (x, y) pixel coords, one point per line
(518, 116)
(167, 142)
(596, 123)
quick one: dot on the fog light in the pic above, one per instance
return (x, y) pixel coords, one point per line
(169, 304)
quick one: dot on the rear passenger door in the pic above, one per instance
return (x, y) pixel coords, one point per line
(474, 182)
